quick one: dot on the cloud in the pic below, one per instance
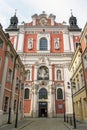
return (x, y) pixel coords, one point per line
(26, 8)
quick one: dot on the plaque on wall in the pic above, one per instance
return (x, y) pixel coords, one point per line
(60, 106)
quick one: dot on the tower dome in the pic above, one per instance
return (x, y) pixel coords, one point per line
(73, 23)
(13, 23)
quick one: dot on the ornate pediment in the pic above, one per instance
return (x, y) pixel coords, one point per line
(43, 60)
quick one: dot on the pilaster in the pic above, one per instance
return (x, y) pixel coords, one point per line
(3, 80)
(20, 41)
(35, 114)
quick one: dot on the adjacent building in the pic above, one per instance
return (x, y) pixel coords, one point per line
(46, 48)
(11, 80)
(83, 42)
(78, 90)
(78, 69)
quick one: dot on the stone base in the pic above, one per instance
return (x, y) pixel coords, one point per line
(1, 112)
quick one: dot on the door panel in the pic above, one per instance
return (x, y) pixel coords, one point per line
(42, 109)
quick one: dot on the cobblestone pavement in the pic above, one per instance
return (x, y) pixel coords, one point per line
(46, 124)
(43, 124)
(82, 126)
(38, 124)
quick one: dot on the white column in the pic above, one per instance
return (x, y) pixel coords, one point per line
(20, 42)
(51, 103)
(68, 101)
(35, 74)
(35, 104)
(50, 73)
(3, 81)
(71, 43)
(66, 41)
(32, 100)
(54, 109)
(15, 42)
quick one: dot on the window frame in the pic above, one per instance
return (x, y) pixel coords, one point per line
(9, 77)
(6, 103)
(28, 94)
(43, 94)
(43, 44)
(60, 94)
(15, 105)
(1, 43)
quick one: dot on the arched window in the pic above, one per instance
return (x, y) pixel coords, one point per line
(59, 75)
(26, 94)
(59, 93)
(43, 46)
(43, 93)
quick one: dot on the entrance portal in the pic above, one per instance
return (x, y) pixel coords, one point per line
(42, 109)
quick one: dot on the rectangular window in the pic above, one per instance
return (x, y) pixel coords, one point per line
(6, 104)
(1, 43)
(17, 82)
(43, 44)
(9, 79)
(15, 102)
(78, 85)
(82, 80)
(12, 58)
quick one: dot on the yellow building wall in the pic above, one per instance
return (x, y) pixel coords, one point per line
(80, 105)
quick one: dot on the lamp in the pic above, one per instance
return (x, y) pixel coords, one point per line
(72, 85)
(20, 86)
(64, 112)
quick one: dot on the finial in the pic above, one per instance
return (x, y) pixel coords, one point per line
(15, 11)
(43, 12)
(71, 12)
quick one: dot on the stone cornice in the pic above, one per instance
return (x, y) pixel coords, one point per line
(47, 54)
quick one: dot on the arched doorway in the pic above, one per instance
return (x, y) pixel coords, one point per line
(43, 103)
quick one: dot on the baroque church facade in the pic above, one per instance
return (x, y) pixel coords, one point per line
(46, 48)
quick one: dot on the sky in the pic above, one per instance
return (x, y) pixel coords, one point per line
(27, 8)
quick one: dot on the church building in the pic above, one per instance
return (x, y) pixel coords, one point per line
(46, 48)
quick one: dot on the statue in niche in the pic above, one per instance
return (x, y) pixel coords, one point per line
(43, 73)
(30, 44)
(56, 43)
(59, 75)
(28, 75)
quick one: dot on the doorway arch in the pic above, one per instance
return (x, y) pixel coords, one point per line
(43, 95)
